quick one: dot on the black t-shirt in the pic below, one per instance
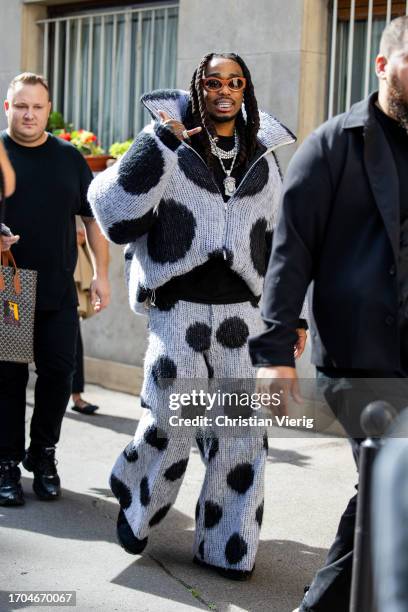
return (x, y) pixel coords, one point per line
(52, 181)
(398, 140)
(214, 282)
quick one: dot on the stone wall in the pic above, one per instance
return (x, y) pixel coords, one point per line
(285, 46)
(10, 47)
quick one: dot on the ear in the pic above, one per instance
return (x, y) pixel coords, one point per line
(6, 106)
(381, 63)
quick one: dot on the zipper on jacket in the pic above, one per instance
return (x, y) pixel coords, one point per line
(224, 249)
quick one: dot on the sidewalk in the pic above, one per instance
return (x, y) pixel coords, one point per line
(70, 544)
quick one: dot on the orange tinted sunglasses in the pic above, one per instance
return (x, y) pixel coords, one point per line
(216, 84)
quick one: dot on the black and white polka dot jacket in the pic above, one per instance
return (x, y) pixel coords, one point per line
(162, 201)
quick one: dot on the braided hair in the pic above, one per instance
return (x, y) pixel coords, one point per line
(197, 113)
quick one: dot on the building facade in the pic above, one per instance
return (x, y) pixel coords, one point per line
(309, 58)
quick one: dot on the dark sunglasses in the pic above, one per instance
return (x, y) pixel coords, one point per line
(216, 84)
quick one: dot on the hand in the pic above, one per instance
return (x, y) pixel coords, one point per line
(300, 342)
(80, 234)
(100, 293)
(7, 241)
(176, 126)
(281, 380)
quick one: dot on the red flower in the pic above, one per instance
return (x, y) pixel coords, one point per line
(65, 136)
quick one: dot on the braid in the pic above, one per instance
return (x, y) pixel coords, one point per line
(198, 113)
(240, 126)
(193, 94)
(252, 112)
(203, 112)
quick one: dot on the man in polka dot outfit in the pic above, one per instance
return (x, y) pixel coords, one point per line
(195, 200)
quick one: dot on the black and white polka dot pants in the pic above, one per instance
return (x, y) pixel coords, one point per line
(196, 342)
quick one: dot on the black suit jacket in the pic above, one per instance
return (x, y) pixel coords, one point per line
(339, 230)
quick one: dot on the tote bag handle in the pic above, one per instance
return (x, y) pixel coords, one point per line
(6, 256)
(8, 260)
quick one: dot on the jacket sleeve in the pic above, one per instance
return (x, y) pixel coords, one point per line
(306, 202)
(271, 226)
(124, 197)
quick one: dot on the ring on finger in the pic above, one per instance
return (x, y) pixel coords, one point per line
(185, 135)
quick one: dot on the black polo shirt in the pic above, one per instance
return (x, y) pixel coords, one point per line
(52, 181)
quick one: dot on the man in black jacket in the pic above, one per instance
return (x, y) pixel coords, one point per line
(343, 228)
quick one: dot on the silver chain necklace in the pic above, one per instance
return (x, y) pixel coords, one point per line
(229, 181)
(220, 153)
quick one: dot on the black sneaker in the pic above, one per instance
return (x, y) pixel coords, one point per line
(11, 492)
(42, 463)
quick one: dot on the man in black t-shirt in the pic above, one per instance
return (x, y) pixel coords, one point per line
(52, 180)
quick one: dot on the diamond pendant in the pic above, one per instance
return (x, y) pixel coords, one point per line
(229, 185)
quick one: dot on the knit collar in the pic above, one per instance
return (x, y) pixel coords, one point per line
(272, 134)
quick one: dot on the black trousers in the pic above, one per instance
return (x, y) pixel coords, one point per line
(348, 392)
(78, 381)
(55, 336)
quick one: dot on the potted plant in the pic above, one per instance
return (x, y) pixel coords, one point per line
(117, 149)
(87, 143)
(56, 123)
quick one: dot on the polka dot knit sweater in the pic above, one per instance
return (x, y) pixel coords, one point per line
(161, 200)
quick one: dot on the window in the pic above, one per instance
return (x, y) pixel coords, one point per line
(100, 63)
(356, 31)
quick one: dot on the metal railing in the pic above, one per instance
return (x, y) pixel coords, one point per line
(348, 68)
(90, 58)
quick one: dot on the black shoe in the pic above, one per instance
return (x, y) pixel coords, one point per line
(225, 572)
(11, 492)
(46, 484)
(85, 408)
(126, 537)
